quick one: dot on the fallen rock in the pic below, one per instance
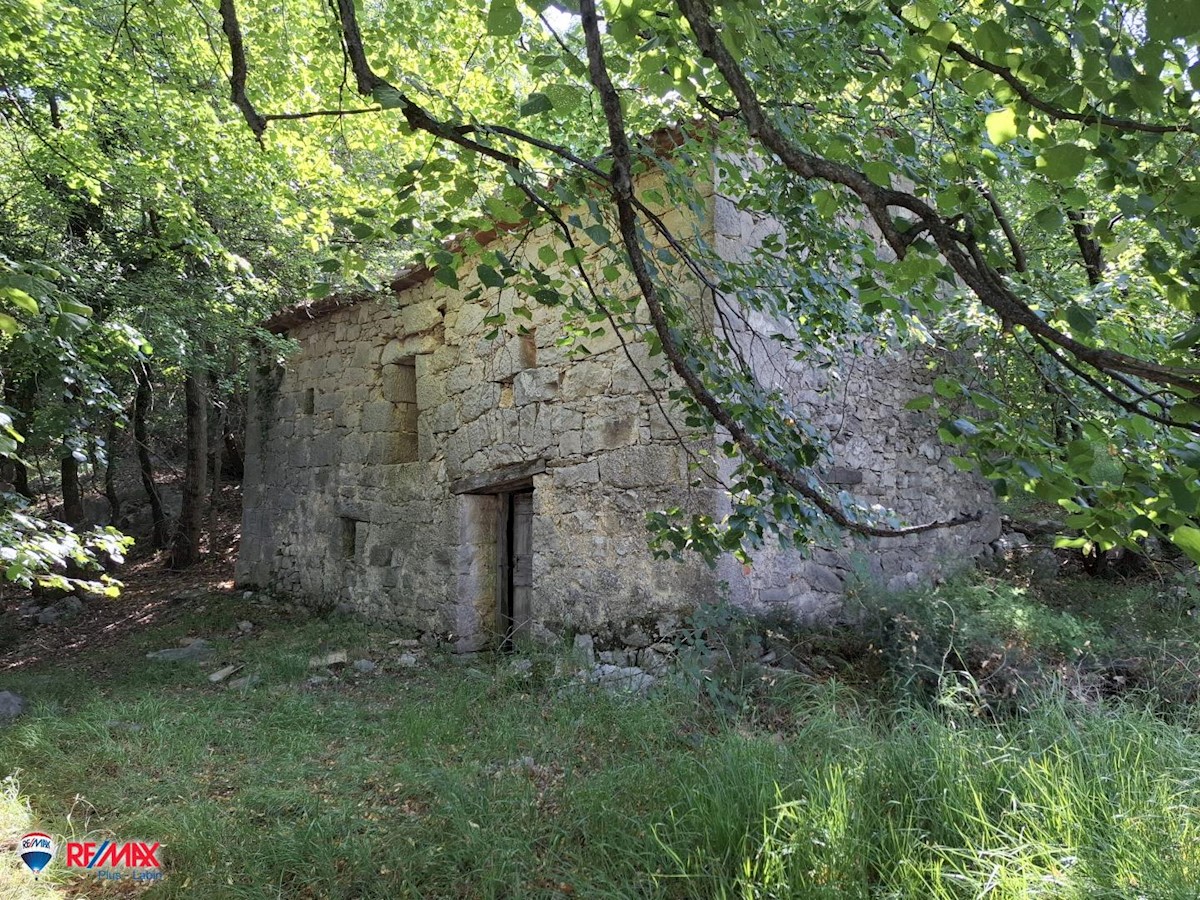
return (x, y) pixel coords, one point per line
(621, 678)
(405, 643)
(11, 706)
(585, 645)
(636, 639)
(543, 636)
(245, 627)
(223, 673)
(199, 650)
(365, 666)
(520, 666)
(244, 683)
(323, 660)
(48, 616)
(407, 661)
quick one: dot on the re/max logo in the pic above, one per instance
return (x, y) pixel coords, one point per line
(131, 855)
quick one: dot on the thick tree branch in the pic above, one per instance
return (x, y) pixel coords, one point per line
(623, 198)
(987, 284)
(238, 70)
(1089, 249)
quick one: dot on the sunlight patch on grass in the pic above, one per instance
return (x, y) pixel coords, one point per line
(16, 819)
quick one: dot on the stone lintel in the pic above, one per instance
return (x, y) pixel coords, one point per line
(499, 480)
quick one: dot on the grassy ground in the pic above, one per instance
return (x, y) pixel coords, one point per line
(454, 780)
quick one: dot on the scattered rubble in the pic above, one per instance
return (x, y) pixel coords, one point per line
(197, 650)
(325, 660)
(223, 673)
(11, 706)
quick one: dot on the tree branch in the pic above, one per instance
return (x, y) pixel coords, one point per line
(623, 194)
(987, 284)
(238, 71)
(1022, 90)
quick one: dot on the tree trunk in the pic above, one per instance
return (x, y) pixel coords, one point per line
(19, 397)
(110, 472)
(71, 493)
(141, 407)
(185, 548)
(217, 446)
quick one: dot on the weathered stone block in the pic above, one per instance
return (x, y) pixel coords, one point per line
(420, 317)
(379, 415)
(478, 400)
(612, 424)
(535, 384)
(587, 378)
(571, 476)
(635, 467)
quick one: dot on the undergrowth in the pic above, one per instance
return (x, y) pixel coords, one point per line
(839, 777)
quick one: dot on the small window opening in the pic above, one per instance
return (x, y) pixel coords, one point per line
(351, 537)
(310, 401)
(406, 409)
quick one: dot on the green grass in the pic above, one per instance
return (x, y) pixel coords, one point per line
(419, 783)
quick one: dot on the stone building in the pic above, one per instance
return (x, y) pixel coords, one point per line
(409, 464)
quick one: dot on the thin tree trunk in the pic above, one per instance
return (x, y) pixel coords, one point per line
(217, 445)
(110, 472)
(19, 397)
(185, 548)
(141, 407)
(71, 493)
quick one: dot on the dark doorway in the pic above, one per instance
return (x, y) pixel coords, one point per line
(514, 557)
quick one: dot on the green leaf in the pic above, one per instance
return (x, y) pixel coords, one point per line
(1187, 539)
(447, 276)
(547, 255)
(1082, 321)
(565, 97)
(19, 299)
(1185, 412)
(918, 403)
(71, 308)
(1001, 126)
(388, 97)
(1062, 162)
(537, 103)
(489, 277)
(1170, 19)
(8, 324)
(598, 233)
(504, 19)
(1187, 338)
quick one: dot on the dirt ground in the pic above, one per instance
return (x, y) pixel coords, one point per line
(152, 594)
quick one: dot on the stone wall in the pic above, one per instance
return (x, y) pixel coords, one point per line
(879, 452)
(371, 454)
(358, 446)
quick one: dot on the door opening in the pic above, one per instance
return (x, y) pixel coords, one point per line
(514, 557)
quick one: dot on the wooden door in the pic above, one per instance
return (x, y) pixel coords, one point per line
(514, 559)
(522, 561)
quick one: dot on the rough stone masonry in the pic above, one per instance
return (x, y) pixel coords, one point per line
(405, 465)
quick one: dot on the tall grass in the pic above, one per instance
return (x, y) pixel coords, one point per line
(1069, 802)
(453, 781)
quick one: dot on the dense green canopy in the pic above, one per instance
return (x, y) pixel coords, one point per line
(172, 171)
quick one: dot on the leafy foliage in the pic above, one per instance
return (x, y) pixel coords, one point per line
(1012, 186)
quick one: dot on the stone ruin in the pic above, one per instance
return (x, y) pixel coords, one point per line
(408, 466)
